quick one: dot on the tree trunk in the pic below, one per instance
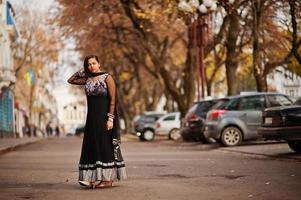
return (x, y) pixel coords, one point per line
(157, 51)
(257, 58)
(232, 53)
(209, 85)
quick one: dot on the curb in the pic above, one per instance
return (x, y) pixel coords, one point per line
(15, 147)
(128, 138)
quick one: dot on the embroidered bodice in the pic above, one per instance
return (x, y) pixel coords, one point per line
(103, 85)
(98, 86)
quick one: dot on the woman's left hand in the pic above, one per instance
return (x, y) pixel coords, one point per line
(109, 125)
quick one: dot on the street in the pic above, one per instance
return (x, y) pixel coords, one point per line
(161, 169)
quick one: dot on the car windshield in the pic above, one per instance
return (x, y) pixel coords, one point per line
(278, 100)
(149, 118)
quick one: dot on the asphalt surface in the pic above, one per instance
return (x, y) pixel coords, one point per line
(161, 169)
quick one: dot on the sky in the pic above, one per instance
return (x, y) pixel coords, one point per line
(42, 5)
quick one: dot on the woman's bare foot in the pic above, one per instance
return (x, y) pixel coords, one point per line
(104, 184)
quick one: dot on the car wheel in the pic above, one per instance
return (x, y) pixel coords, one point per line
(174, 134)
(231, 136)
(148, 135)
(295, 145)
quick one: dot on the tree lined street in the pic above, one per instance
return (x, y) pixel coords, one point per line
(158, 170)
(188, 57)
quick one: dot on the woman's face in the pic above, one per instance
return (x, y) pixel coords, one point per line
(93, 65)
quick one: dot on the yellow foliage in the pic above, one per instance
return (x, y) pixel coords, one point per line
(124, 76)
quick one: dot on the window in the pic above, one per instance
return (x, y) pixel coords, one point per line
(251, 103)
(278, 100)
(193, 108)
(169, 118)
(150, 118)
(205, 106)
(233, 104)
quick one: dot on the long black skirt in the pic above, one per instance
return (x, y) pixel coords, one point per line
(97, 161)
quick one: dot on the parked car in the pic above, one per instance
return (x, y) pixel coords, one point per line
(133, 124)
(80, 130)
(145, 125)
(282, 123)
(169, 125)
(298, 101)
(71, 131)
(239, 119)
(193, 122)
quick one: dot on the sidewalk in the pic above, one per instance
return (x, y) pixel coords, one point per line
(9, 144)
(128, 137)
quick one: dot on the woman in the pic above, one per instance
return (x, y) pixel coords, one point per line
(101, 162)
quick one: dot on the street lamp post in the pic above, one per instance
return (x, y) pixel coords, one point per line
(197, 11)
(201, 42)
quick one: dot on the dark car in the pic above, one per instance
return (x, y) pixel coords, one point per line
(193, 122)
(80, 130)
(282, 123)
(239, 119)
(298, 101)
(144, 126)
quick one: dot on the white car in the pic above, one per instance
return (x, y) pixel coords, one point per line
(169, 125)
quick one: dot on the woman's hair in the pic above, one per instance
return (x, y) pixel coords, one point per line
(86, 64)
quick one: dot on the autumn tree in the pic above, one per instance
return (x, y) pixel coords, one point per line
(36, 52)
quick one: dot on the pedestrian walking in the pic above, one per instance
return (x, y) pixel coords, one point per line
(57, 131)
(101, 161)
(49, 129)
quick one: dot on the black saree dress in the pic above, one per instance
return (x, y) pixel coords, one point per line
(101, 158)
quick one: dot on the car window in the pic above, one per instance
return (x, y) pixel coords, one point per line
(251, 103)
(169, 118)
(149, 118)
(232, 104)
(278, 100)
(193, 108)
(298, 102)
(220, 104)
(205, 106)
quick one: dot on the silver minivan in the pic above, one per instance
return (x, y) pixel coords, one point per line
(238, 119)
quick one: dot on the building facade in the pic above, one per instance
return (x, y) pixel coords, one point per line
(72, 115)
(285, 81)
(8, 33)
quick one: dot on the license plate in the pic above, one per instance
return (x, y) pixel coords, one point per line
(268, 120)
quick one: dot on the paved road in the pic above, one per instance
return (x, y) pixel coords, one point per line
(157, 170)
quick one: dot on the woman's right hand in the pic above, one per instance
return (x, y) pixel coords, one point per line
(82, 72)
(109, 125)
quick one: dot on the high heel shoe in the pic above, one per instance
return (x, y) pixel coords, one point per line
(85, 183)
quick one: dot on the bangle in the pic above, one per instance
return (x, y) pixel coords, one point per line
(110, 115)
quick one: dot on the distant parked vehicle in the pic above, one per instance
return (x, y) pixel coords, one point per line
(240, 118)
(80, 130)
(169, 125)
(71, 131)
(298, 101)
(282, 123)
(145, 125)
(134, 124)
(193, 122)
